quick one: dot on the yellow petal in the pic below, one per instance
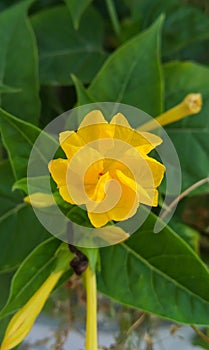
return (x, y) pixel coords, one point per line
(126, 206)
(142, 141)
(98, 202)
(144, 195)
(98, 219)
(93, 117)
(64, 193)
(150, 141)
(120, 119)
(58, 169)
(93, 171)
(70, 142)
(151, 174)
(64, 135)
(22, 322)
(40, 200)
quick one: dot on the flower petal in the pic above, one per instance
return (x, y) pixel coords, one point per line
(64, 193)
(120, 119)
(70, 142)
(58, 169)
(98, 219)
(93, 117)
(144, 195)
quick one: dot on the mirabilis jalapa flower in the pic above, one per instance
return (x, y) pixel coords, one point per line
(107, 168)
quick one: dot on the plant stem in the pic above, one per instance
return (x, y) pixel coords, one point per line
(113, 16)
(182, 195)
(91, 314)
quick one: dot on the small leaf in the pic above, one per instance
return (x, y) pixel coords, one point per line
(37, 184)
(77, 8)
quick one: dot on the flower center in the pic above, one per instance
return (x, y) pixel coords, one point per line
(100, 174)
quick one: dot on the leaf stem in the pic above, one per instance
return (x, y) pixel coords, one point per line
(201, 334)
(113, 16)
(91, 314)
(182, 195)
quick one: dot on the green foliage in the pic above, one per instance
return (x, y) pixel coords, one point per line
(180, 79)
(19, 63)
(32, 273)
(134, 85)
(20, 231)
(64, 50)
(89, 51)
(77, 8)
(157, 272)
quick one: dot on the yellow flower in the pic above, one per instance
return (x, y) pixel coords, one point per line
(107, 168)
(22, 322)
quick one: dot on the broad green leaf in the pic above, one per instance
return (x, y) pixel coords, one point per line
(132, 74)
(158, 273)
(33, 272)
(63, 50)
(193, 131)
(19, 63)
(18, 138)
(191, 26)
(77, 8)
(20, 230)
(185, 24)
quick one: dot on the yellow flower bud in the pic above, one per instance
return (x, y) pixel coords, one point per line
(22, 322)
(40, 200)
(191, 104)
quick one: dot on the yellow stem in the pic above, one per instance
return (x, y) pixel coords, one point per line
(91, 314)
(191, 104)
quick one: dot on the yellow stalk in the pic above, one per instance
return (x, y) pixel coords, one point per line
(191, 104)
(91, 313)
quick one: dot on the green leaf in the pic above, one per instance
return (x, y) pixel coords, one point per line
(63, 50)
(5, 280)
(191, 26)
(20, 230)
(19, 63)
(77, 8)
(136, 69)
(158, 273)
(33, 272)
(18, 138)
(37, 184)
(83, 97)
(181, 79)
(185, 24)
